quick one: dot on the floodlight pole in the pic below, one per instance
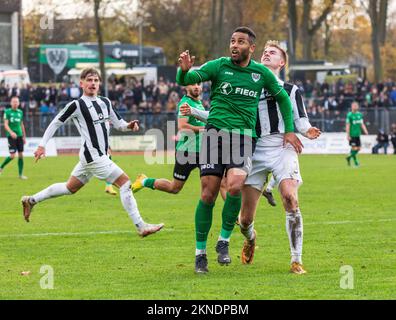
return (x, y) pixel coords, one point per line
(141, 42)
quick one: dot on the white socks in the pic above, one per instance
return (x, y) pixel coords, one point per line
(248, 232)
(53, 191)
(200, 251)
(271, 184)
(130, 205)
(294, 229)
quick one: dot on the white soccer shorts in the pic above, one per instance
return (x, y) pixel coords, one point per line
(282, 162)
(102, 168)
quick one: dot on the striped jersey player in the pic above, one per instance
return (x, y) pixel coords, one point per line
(91, 114)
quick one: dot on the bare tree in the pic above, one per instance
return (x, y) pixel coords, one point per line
(377, 11)
(310, 27)
(293, 28)
(99, 35)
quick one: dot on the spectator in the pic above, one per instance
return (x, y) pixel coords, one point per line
(393, 137)
(74, 92)
(163, 90)
(308, 89)
(393, 96)
(3, 93)
(44, 115)
(382, 142)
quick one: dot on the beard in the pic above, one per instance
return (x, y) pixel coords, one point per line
(193, 94)
(243, 56)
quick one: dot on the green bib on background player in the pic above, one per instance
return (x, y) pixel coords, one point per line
(14, 118)
(355, 120)
(185, 141)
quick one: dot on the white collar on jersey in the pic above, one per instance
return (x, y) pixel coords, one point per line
(89, 98)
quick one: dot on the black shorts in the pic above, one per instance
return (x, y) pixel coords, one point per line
(185, 163)
(222, 151)
(355, 142)
(15, 145)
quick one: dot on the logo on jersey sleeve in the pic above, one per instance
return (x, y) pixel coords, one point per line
(256, 77)
(226, 88)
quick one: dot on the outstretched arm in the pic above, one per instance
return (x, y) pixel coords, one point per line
(119, 123)
(301, 120)
(186, 77)
(186, 110)
(61, 118)
(364, 128)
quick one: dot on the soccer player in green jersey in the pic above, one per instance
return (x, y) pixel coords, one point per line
(16, 135)
(229, 138)
(354, 127)
(187, 148)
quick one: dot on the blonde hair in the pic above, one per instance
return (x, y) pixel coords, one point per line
(276, 44)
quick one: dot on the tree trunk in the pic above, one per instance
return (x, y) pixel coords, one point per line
(293, 28)
(375, 39)
(383, 12)
(309, 28)
(276, 11)
(99, 35)
(213, 41)
(220, 36)
(305, 26)
(327, 40)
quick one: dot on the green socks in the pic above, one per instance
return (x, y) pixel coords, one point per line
(5, 162)
(20, 166)
(232, 206)
(203, 222)
(353, 156)
(149, 183)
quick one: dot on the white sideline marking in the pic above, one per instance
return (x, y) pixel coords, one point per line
(91, 233)
(67, 234)
(348, 222)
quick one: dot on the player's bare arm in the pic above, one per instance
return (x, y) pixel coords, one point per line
(24, 133)
(186, 61)
(134, 125)
(293, 140)
(313, 133)
(364, 128)
(347, 131)
(185, 109)
(39, 153)
(8, 129)
(183, 125)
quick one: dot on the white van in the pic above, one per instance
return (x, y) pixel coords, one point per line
(12, 77)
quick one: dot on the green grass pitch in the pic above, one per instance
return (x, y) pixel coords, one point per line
(89, 241)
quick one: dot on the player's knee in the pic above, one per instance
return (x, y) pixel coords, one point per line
(208, 196)
(290, 200)
(12, 156)
(245, 220)
(234, 189)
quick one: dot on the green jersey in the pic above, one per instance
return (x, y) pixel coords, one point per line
(236, 93)
(355, 120)
(186, 143)
(14, 118)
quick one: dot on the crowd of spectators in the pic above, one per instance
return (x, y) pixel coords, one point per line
(334, 99)
(149, 103)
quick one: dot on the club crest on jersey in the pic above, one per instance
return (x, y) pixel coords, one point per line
(256, 77)
(225, 88)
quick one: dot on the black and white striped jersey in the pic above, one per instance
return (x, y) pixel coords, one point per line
(92, 117)
(269, 117)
